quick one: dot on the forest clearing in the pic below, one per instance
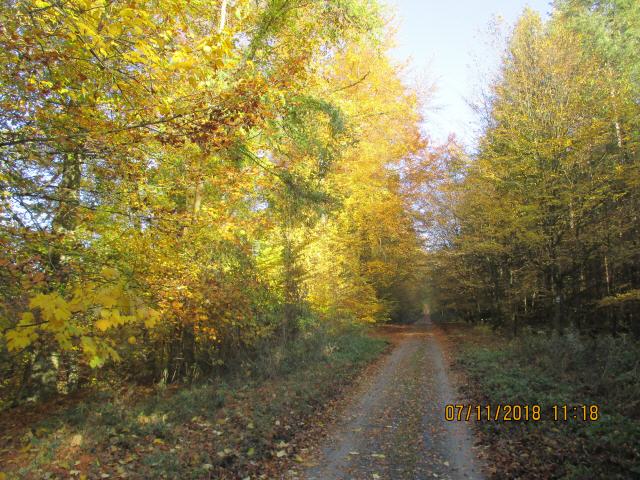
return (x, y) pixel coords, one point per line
(231, 248)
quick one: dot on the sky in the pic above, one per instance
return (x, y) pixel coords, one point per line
(447, 43)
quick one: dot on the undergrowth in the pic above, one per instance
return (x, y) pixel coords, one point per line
(540, 368)
(228, 427)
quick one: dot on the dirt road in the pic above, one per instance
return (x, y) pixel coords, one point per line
(394, 426)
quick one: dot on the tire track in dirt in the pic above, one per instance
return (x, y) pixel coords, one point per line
(394, 427)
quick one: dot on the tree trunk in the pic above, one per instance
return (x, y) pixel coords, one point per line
(66, 216)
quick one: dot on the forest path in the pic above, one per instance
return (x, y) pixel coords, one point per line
(394, 427)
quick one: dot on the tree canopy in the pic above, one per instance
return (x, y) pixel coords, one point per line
(540, 226)
(182, 180)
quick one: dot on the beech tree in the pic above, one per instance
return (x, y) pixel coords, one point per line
(545, 224)
(184, 180)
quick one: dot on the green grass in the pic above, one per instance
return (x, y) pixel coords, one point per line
(546, 369)
(225, 428)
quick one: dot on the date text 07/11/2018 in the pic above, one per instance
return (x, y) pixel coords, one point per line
(520, 413)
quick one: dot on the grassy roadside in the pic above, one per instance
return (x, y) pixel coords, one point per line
(247, 425)
(548, 370)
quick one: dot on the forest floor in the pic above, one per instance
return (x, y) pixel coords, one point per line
(366, 404)
(323, 420)
(393, 425)
(253, 425)
(544, 369)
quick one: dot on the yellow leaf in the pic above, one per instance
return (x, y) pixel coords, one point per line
(54, 308)
(27, 319)
(107, 298)
(18, 339)
(103, 324)
(115, 29)
(39, 301)
(152, 318)
(109, 273)
(88, 345)
(96, 362)
(76, 440)
(61, 313)
(132, 340)
(115, 356)
(64, 340)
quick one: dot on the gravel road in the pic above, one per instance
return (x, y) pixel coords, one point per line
(394, 427)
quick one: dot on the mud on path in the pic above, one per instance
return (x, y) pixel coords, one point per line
(394, 427)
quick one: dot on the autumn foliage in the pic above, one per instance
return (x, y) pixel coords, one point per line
(540, 228)
(183, 180)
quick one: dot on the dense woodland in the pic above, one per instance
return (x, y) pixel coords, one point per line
(185, 182)
(536, 235)
(540, 227)
(203, 202)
